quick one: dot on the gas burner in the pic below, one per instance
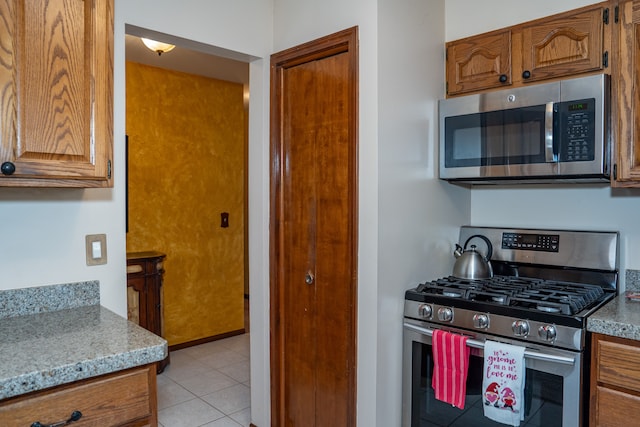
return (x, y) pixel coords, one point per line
(451, 294)
(547, 309)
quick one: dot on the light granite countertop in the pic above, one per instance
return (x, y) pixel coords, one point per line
(48, 348)
(621, 316)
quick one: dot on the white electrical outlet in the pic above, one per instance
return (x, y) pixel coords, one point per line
(96, 245)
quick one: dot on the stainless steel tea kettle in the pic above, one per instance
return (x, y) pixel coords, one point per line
(470, 264)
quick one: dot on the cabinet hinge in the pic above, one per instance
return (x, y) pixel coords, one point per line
(615, 172)
(616, 14)
(109, 169)
(605, 59)
(605, 16)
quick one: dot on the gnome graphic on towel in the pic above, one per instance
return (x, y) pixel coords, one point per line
(508, 398)
(492, 395)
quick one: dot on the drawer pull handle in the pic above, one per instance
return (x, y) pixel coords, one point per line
(75, 416)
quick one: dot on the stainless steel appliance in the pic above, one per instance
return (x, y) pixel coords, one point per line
(538, 133)
(545, 285)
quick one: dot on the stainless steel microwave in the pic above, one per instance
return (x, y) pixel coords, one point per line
(549, 132)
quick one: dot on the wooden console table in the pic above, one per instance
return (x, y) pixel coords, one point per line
(144, 293)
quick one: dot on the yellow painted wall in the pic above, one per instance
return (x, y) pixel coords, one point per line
(186, 166)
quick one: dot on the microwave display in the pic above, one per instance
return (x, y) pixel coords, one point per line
(579, 106)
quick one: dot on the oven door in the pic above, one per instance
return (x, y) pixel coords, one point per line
(553, 393)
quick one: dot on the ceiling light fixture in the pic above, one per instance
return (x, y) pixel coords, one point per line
(158, 47)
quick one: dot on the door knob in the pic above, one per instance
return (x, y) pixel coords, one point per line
(309, 279)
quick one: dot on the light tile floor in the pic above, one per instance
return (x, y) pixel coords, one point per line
(207, 385)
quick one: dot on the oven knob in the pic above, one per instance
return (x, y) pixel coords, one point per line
(520, 328)
(425, 310)
(480, 321)
(445, 314)
(547, 332)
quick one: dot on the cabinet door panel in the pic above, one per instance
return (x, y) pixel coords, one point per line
(51, 55)
(564, 46)
(478, 62)
(56, 77)
(615, 408)
(619, 365)
(626, 92)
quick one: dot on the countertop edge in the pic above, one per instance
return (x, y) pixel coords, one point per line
(42, 380)
(618, 318)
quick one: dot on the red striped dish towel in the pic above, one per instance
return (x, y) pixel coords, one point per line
(450, 367)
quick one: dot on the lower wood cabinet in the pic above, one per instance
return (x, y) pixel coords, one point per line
(615, 381)
(125, 399)
(145, 271)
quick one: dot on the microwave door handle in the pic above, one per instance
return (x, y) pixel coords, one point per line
(549, 155)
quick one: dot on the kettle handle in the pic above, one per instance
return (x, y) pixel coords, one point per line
(487, 241)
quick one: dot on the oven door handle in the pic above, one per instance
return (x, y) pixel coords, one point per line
(479, 344)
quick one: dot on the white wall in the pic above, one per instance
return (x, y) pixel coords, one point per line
(418, 215)
(43, 239)
(468, 17)
(575, 207)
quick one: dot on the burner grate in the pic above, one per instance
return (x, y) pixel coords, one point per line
(530, 293)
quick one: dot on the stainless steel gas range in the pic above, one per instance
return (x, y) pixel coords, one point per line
(545, 284)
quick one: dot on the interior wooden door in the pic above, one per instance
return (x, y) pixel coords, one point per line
(314, 232)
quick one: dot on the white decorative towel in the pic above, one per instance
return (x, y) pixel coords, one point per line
(503, 382)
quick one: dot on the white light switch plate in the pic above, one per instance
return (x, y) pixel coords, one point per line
(96, 245)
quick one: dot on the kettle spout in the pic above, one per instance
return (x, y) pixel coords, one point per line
(458, 251)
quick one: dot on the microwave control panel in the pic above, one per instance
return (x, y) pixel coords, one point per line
(577, 124)
(531, 242)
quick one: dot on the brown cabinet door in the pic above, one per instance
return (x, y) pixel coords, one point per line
(626, 97)
(568, 45)
(615, 381)
(56, 81)
(313, 246)
(480, 62)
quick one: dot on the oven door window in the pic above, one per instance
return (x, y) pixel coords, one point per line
(496, 138)
(543, 396)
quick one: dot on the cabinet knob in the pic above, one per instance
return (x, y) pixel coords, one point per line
(503, 78)
(7, 168)
(526, 74)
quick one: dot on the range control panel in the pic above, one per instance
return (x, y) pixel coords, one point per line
(531, 242)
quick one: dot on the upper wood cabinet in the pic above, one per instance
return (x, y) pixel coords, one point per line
(561, 45)
(625, 97)
(56, 93)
